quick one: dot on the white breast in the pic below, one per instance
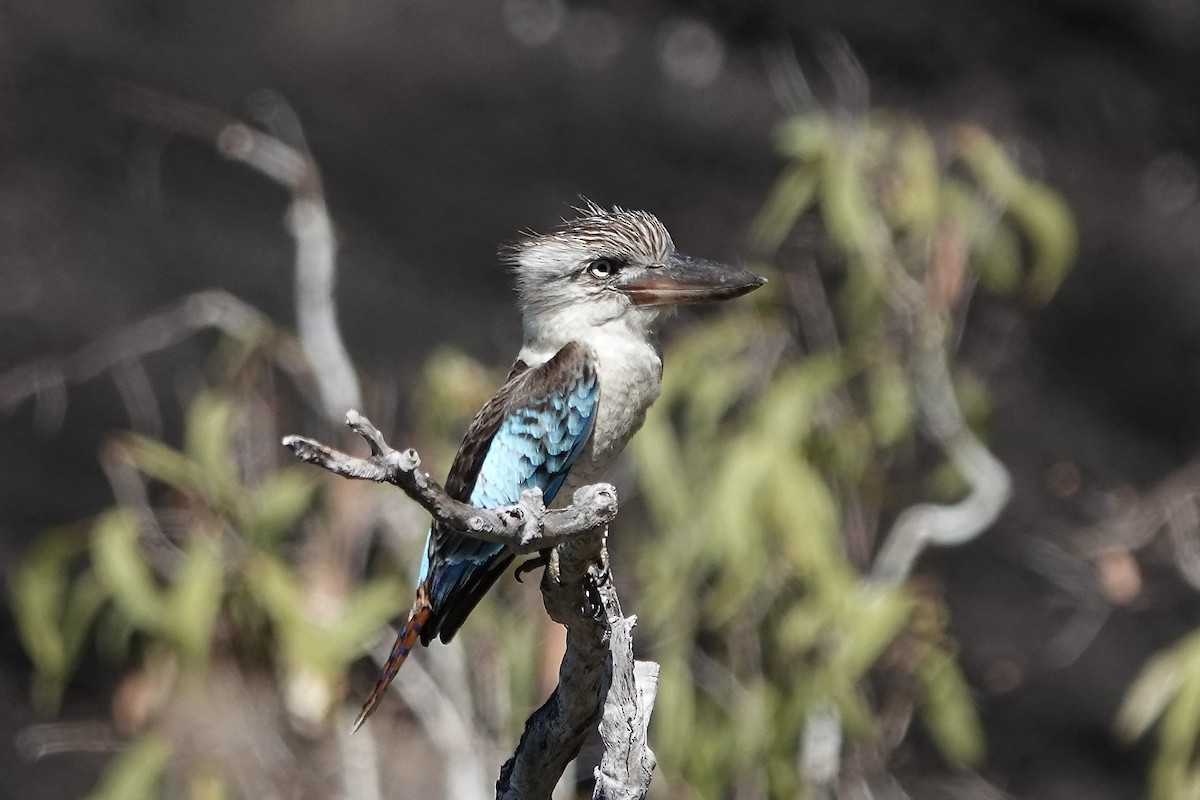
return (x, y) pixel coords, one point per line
(630, 381)
(630, 372)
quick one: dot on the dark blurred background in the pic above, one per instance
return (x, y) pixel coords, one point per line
(443, 129)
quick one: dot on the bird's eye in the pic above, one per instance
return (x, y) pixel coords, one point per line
(604, 268)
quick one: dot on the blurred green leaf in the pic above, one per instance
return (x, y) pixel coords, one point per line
(87, 598)
(844, 692)
(1168, 692)
(657, 452)
(275, 586)
(367, 610)
(207, 783)
(1175, 773)
(334, 639)
(195, 596)
(962, 207)
(947, 709)
(847, 210)
(994, 170)
(797, 630)
(803, 511)
(725, 512)
(945, 483)
(916, 196)
(160, 462)
(278, 503)
(876, 615)
(785, 410)
(121, 566)
(710, 400)
(208, 434)
(114, 634)
(1038, 213)
(792, 195)
(207, 470)
(675, 719)
(1047, 222)
(999, 257)
(804, 137)
(843, 446)
(451, 389)
(53, 614)
(136, 773)
(38, 590)
(892, 408)
(973, 397)
(1148, 696)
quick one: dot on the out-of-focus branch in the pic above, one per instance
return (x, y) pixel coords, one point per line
(578, 592)
(308, 222)
(821, 749)
(35, 742)
(988, 480)
(447, 722)
(208, 309)
(1096, 566)
(360, 763)
(1171, 504)
(119, 352)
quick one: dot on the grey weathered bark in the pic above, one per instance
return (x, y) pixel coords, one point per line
(599, 681)
(628, 763)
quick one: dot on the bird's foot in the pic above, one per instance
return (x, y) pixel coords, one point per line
(597, 573)
(530, 565)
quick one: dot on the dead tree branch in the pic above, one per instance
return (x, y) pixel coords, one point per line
(524, 527)
(599, 681)
(624, 772)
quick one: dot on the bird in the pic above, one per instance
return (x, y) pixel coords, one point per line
(592, 293)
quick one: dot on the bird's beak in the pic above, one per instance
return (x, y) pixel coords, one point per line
(683, 279)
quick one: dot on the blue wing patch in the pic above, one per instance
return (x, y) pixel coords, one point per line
(545, 419)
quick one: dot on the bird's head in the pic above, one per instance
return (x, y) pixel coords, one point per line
(612, 267)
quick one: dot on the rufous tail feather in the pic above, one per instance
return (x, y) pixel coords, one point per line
(405, 640)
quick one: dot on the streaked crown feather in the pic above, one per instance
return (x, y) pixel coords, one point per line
(632, 236)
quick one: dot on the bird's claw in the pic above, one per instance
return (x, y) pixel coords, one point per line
(530, 565)
(592, 589)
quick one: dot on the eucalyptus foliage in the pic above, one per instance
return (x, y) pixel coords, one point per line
(1166, 696)
(205, 581)
(759, 454)
(761, 446)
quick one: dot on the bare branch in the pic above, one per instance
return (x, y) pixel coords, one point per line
(628, 763)
(524, 527)
(578, 592)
